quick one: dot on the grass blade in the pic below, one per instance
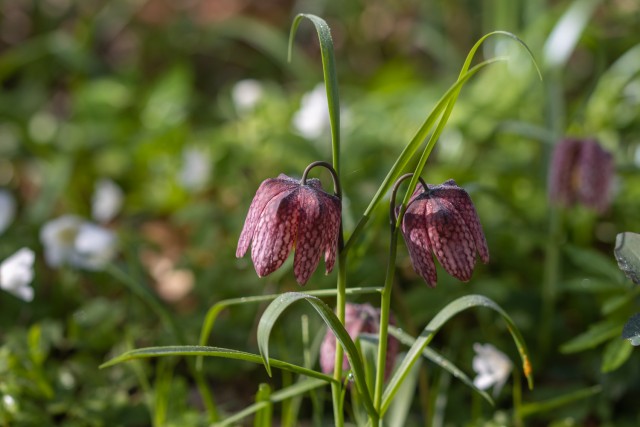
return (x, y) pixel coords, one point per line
(434, 326)
(278, 306)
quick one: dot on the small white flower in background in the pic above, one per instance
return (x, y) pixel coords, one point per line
(7, 209)
(16, 274)
(312, 119)
(106, 201)
(246, 94)
(95, 246)
(72, 240)
(196, 168)
(492, 366)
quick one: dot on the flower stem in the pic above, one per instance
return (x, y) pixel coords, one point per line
(336, 388)
(385, 308)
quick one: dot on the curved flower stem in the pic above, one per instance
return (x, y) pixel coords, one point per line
(385, 300)
(336, 182)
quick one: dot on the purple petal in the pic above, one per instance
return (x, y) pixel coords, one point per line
(309, 242)
(331, 230)
(561, 172)
(595, 169)
(451, 240)
(462, 203)
(269, 189)
(417, 240)
(275, 233)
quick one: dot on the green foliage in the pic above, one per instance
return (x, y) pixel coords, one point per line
(122, 90)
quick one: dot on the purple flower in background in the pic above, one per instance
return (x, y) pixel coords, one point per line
(285, 213)
(581, 172)
(359, 319)
(442, 221)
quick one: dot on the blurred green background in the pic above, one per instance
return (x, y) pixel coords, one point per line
(188, 106)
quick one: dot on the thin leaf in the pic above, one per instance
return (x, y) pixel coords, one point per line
(592, 261)
(627, 253)
(276, 397)
(441, 361)
(595, 335)
(615, 354)
(547, 405)
(278, 306)
(225, 353)
(434, 326)
(397, 414)
(330, 77)
(566, 34)
(631, 330)
(407, 154)
(215, 310)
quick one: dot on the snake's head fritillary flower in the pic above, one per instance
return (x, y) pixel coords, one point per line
(442, 221)
(492, 366)
(287, 213)
(581, 172)
(358, 319)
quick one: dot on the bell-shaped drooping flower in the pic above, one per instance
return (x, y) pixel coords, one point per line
(287, 213)
(442, 221)
(492, 366)
(106, 201)
(358, 319)
(16, 274)
(7, 209)
(72, 240)
(581, 172)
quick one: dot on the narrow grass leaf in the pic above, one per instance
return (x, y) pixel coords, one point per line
(294, 390)
(397, 414)
(441, 361)
(616, 352)
(214, 311)
(279, 305)
(225, 353)
(434, 326)
(595, 335)
(565, 35)
(529, 409)
(330, 77)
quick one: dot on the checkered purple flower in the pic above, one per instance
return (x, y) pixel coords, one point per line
(285, 213)
(442, 221)
(359, 319)
(581, 172)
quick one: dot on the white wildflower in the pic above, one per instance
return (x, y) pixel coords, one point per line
(106, 201)
(196, 168)
(492, 366)
(312, 119)
(16, 274)
(246, 94)
(7, 209)
(72, 240)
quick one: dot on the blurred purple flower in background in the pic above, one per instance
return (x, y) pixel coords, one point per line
(359, 319)
(442, 221)
(581, 172)
(284, 214)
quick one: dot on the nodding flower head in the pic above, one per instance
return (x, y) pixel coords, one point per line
(581, 172)
(441, 220)
(287, 213)
(358, 319)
